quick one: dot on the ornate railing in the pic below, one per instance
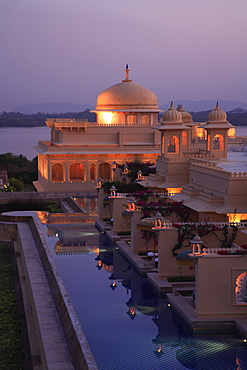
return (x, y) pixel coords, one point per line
(46, 195)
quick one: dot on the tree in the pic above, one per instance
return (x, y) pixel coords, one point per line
(16, 185)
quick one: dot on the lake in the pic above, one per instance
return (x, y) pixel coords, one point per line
(21, 140)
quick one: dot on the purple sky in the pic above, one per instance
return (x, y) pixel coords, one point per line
(55, 51)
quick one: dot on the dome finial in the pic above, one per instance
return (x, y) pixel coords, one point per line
(217, 104)
(171, 106)
(126, 74)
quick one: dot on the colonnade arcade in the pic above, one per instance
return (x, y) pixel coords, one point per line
(75, 171)
(174, 143)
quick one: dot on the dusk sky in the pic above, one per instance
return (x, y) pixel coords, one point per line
(55, 51)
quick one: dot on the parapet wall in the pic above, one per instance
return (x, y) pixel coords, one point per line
(76, 340)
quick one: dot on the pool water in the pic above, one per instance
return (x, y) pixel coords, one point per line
(128, 327)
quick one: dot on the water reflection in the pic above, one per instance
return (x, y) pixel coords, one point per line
(128, 326)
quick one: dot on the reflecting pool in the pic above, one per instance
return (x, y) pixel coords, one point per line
(129, 327)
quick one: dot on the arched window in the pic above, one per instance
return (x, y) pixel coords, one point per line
(93, 205)
(92, 171)
(131, 119)
(218, 142)
(145, 119)
(76, 172)
(184, 138)
(57, 172)
(173, 145)
(241, 289)
(105, 171)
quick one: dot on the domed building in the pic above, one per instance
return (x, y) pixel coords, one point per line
(197, 171)
(127, 103)
(79, 152)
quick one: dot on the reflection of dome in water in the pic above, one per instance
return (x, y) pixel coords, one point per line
(217, 114)
(127, 95)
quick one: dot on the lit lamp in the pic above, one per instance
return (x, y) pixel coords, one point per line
(196, 243)
(131, 204)
(99, 265)
(98, 184)
(125, 169)
(158, 347)
(158, 221)
(139, 175)
(113, 192)
(113, 285)
(131, 312)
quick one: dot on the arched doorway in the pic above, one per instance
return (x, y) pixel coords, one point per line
(57, 172)
(173, 145)
(92, 172)
(184, 138)
(76, 172)
(131, 119)
(105, 171)
(218, 142)
(145, 119)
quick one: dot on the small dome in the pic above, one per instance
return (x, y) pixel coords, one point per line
(127, 95)
(186, 116)
(217, 114)
(172, 115)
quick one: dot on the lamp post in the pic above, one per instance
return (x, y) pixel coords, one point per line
(131, 204)
(113, 192)
(139, 175)
(196, 244)
(158, 219)
(98, 184)
(125, 169)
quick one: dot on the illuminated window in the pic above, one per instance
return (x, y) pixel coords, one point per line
(57, 172)
(173, 145)
(76, 172)
(105, 171)
(241, 288)
(218, 142)
(184, 138)
(145, 119)
(92, 172)
(131, 119)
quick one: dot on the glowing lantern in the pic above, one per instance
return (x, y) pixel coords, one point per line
(196, 243)
(98, 184)
(131, 204)
(113, 192)
(125, 169)
(158, 221)
(113, 285)
(139, 175)
(131, 312)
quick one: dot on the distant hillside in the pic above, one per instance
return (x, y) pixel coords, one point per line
(237, 119)
(205, 105)
(51, 108)
(18, 119)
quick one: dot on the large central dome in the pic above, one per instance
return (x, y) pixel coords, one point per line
(127, 96)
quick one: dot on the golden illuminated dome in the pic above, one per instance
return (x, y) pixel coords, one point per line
(186, 116)
(127, 96)
(172, 115)
(217, 114)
